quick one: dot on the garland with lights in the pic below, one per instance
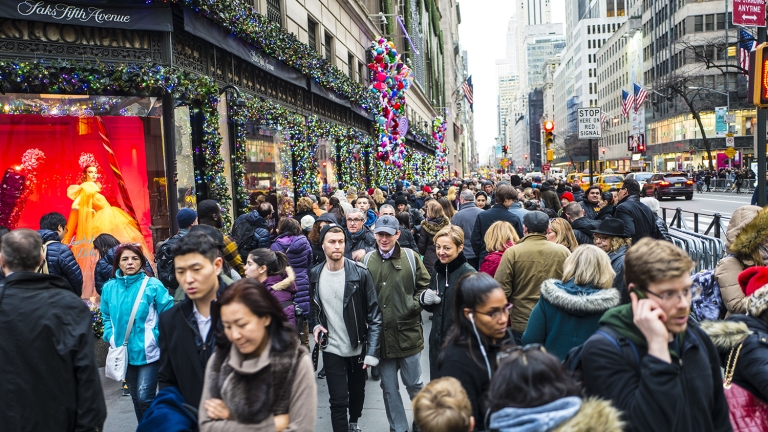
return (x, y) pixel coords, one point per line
(243, 21)
(438, 134)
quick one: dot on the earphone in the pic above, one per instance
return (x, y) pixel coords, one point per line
(482, 347)
(471, 318)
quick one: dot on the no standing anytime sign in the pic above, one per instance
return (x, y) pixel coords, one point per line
(749, 12)
(589, 123)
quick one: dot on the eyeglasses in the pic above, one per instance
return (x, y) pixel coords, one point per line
(496, 314)
(514, 351)
(354, 220)
(674, 296)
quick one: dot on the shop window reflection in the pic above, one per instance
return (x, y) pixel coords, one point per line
(268, 170)
(185, 167)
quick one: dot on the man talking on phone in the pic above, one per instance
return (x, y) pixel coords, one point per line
(657, 367)
(345, 311)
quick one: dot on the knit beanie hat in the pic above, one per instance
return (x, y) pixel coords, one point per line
(754, 283)
(186, 217)
(568, 196)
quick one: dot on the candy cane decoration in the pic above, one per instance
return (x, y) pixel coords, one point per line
(115, 169)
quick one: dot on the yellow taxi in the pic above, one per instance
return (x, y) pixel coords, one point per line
(571, 177)
(584, 180)
(608, 181)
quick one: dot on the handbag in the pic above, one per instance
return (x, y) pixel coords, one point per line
(117, 357)
(747, 413)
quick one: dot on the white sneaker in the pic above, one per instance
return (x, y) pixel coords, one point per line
(353, 427)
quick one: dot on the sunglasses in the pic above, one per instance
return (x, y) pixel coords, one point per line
(514, 352)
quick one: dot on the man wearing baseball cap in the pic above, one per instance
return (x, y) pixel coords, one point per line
(399, 277)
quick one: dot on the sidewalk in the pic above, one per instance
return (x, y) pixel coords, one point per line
(121, 418)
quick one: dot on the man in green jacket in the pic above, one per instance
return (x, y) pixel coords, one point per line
(526, 265)
(400, 277)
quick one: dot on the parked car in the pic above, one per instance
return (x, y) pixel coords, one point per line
(607, 181)
(671, 184)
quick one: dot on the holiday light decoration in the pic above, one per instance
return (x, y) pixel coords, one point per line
(391, 79)
(438, 134)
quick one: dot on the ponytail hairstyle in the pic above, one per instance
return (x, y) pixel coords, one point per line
(276, 262)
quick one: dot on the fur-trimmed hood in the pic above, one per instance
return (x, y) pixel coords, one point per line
(570, 414)
(726, 335)
(435, 225)
(579, 300)
(290, 278)
(747, 231)
(595, 415)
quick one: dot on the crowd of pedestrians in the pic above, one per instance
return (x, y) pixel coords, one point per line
(551, 308)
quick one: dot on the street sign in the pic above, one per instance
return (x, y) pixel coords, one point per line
(730, 152)
(730, 141)
(749, 13)
(545, 167)
(730, 118)
(589, 123)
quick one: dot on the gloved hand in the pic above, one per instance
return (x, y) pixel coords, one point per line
(430, 297)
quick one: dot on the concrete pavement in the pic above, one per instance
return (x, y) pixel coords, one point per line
(121, 418)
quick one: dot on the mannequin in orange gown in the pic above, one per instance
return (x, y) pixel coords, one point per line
(90, 216)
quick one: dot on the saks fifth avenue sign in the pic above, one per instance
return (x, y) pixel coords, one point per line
(66, 12)
(132, 17)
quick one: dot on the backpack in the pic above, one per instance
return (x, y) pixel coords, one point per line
(709, 306)
(44, 266)
(166, 271)
(408, 254)
(243, 234)
(573, 363)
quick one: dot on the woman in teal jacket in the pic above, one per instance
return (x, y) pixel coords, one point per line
(569, 311)
(117, 299)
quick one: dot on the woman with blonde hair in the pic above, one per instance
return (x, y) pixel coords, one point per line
(378, 197)
(560, 232)
(501, 235)
(569, 311)
(435, 221)
(452, 197)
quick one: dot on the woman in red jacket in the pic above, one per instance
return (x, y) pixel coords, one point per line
(500, 236)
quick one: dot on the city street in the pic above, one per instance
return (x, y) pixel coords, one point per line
(706, 204)
(121, 418)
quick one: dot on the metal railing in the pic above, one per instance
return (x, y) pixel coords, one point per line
(727, 186)
(715, 226)
(705, 249)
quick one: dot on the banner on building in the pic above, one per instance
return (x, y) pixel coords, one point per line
(140, 17)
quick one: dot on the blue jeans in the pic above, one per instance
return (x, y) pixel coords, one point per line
(142, 382)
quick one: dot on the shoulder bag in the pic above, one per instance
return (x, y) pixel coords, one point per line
(117, 357)
(747, 413)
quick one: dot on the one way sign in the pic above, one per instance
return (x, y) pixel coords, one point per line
(749, 13)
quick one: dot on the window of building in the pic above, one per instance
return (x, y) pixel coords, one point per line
(698, 23)
(721, 21)
(362, 73)
(709, 22)
(273, 11)
(351, 64)
(328, 47)
(312, 33)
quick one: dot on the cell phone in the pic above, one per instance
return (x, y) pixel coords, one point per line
(322, 340)
(639, 293)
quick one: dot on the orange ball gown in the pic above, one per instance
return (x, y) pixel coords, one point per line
(92, 215)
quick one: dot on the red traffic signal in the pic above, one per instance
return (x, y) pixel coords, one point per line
(758, 76)
(549, 126)
(505, 149)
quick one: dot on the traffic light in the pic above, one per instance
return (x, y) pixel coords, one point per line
(505, 149)
(549, 139)
(758, 76)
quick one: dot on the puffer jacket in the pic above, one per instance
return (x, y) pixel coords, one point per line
(567, 315)
(283, 287)
(570, 414)
(406, 239)
(260, 238)
(299, 253)
(752, 364)
(744, 239)
(117, 299)
(491, 262)
(444, 281)
(105, 266)
(61, 261)
(426, 244)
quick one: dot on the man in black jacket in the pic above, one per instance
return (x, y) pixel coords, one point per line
(638, 218)
(59, 258)
(360, 239)
(187, 331)
(505, 196)
(658, 368)
(47, 339)
(582, 226)
(344, 312)
(591, 202)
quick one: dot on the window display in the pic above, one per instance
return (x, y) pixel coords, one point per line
(96, 160)
(268, 167)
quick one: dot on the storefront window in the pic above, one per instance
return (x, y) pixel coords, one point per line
(96, 160)
(268, 168)
(185, 166)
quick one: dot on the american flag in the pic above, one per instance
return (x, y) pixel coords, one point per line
(640, 95)
(468, 89)
(746, 45)
(627, 100)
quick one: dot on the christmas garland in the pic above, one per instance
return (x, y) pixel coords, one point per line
(438, 134)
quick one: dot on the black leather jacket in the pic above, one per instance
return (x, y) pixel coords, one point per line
(362, 315)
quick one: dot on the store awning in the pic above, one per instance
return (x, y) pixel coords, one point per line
(156, 16)
(330, 95)
(210, 31)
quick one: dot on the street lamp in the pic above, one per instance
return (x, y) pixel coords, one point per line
(727, 95)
